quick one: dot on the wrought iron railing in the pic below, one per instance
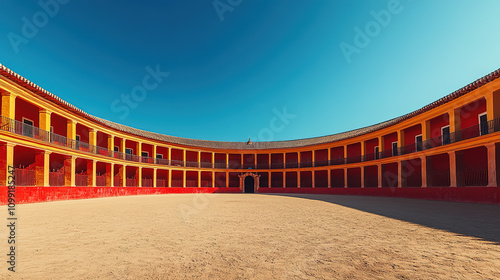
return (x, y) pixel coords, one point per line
(27, 130)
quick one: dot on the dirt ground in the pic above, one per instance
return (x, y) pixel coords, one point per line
(252, 236)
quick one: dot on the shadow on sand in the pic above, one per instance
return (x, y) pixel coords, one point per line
(475, 220)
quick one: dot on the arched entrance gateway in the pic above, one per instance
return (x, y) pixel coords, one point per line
(249, 182)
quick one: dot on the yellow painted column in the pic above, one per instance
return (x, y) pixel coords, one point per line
(345, 154)
(453, 169)
(298, 159)
(329, 176)
(423, 165)
(154, 152)
(44, 123)
(227, 164)
(381, 145)
(454, 119)
(91, 168)
(138, 148)
(169, 156)
(284, 179)
(198, 159)
(123, 145)
(8, 105)
(184, 176)
(269, 179)
(92, 139)
(139, 177)
(362, 176)
(110, 174)
(69, 171)
(401, 138)
(313, 162)
(492, 165)
(213, 162)
(124, 175)
(184, 161)
(363, 151)
(170, 178)
(426, 130)
(379, 175)
(154, 174)
(345, 177)
(493, 105)
(111, 143)
(298, 178)
(71, 133)
(213, 179)
(42, 168)
(313, 178)
(227, 178)
(6, 163)
(199, 179)
(400, 174)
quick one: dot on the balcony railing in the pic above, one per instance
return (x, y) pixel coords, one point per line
(23, 129)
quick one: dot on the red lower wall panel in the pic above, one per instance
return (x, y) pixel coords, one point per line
(486, 195)
(43, 194)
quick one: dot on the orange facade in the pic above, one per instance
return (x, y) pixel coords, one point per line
(450, 143)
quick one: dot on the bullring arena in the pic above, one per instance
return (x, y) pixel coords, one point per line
(415, 197)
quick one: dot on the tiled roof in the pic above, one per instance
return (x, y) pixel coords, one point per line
(11, 75)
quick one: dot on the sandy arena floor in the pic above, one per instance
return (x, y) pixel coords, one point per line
(250, 236)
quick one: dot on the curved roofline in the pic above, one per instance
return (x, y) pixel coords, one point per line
(304, 142)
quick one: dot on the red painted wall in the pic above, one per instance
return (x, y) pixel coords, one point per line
(220, 179)
(177, 154)
(370, 147)
(388, 139)
(354, 177)
(390, 175)
(410, 133)
(59, 124)
(371, 176)
(276, 158)
(83, 131)
(206, 179)
(337, 178)
(321, 179)
(147, 148)
(234, 180)
(276, 179)
(291, 179)
(263, 159)
(305, 179)
(337, 153)
(264, 179)
(191, 179)
(469, 113)
(292, 158)
(437, 123)
(354, 150)
(162, 151)
(321, 155)
(27, 110)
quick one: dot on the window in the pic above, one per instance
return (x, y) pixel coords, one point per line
(77, 146)
(377, 156)
(419, 146)
(129, 151)
(160, 156)
(445, 135)
(483, 124)
(394, 148)
(117, 149)
(27, 127)
(145, 154)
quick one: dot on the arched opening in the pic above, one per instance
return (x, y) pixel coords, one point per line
(249, 184)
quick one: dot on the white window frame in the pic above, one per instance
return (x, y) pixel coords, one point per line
(479, 120)
(416, 142)
(131, 151)
(145, 152)
(32, 122)
(392, 148)
(161, 156)
(442, 134)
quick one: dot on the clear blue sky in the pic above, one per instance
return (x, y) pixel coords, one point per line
(230, 65)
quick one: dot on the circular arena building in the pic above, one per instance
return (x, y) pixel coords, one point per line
(447, 150)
